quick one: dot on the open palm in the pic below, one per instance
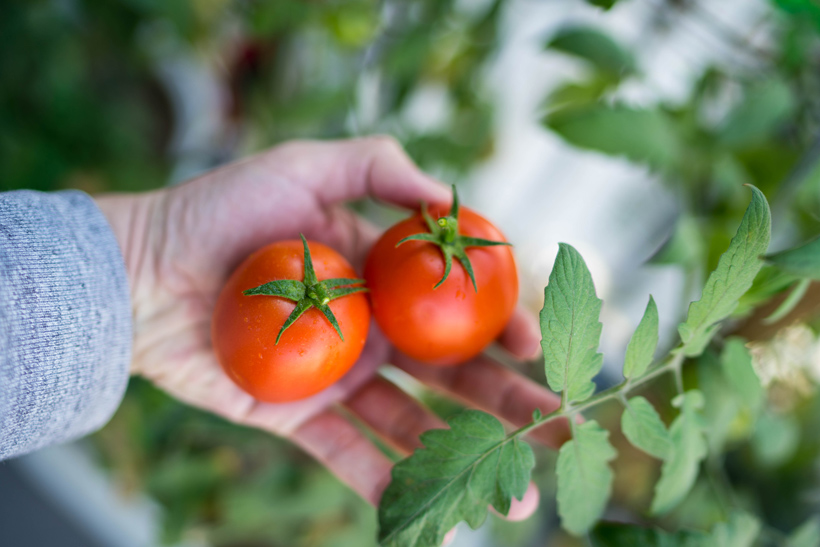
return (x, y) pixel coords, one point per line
(181, 244)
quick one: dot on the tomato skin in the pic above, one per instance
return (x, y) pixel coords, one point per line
(451, 324)
(310, 355)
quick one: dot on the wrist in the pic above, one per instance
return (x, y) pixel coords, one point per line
(134, 219)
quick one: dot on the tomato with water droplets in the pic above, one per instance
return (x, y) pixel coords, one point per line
(436, 318)
(284, 327)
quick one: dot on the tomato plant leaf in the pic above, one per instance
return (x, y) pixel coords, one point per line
(570, 328)
(766, 106)
(740, 531)
(736, 363)
(644, 429)
(648, 136)
(610, 534)
(806, 535)
(595, 47)
(733, 276)
(680, 469)
(790, 302)
(802, 261)
(459, 473)
(584, 477)
(642, 345)
(286, 288)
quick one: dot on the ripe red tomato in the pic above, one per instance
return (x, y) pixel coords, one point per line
(454, 322)
(310, 355)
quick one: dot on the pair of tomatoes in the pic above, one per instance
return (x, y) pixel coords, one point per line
(441, 290)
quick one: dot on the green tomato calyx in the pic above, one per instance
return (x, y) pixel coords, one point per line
(444, 233)
(309, 293)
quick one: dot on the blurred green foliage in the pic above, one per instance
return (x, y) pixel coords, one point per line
(227, 484)
(82, 103)
(756, 122)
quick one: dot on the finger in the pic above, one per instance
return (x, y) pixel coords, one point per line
(484, 384)
(346, 452)
(522, 335)
(523, 509)
(356, 168)
(399, 420)
(392, 414)
(448, 539)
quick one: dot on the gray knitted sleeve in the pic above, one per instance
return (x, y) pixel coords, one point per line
(65, 320)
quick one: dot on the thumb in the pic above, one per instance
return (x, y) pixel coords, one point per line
(347, 170)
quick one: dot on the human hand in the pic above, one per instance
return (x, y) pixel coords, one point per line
(181, 243)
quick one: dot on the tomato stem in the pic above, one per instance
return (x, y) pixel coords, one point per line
(444, 233)
(309, 293)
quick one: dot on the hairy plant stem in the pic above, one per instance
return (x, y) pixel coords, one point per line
(720, 485)
(673, 363)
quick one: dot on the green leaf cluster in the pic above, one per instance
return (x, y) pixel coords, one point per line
(475, 464)
(457, 476)
(734, 275)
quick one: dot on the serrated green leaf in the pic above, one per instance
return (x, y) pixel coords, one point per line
(766, 106)
(736, 363)
(741, 531)
(641, 348)
(608, 534)
(806, 535)
(647, 136)
(689, 448)
(584, 477)
(802, 261)
(722, 408)
(596, 47)
(644, 428)
(733, 276)
(570, 330)
(459, 473)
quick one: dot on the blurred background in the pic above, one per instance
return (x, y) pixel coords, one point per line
(626, 128)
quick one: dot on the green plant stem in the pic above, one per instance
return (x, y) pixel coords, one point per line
(672, 364)
(720, 485)
(679, 380)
